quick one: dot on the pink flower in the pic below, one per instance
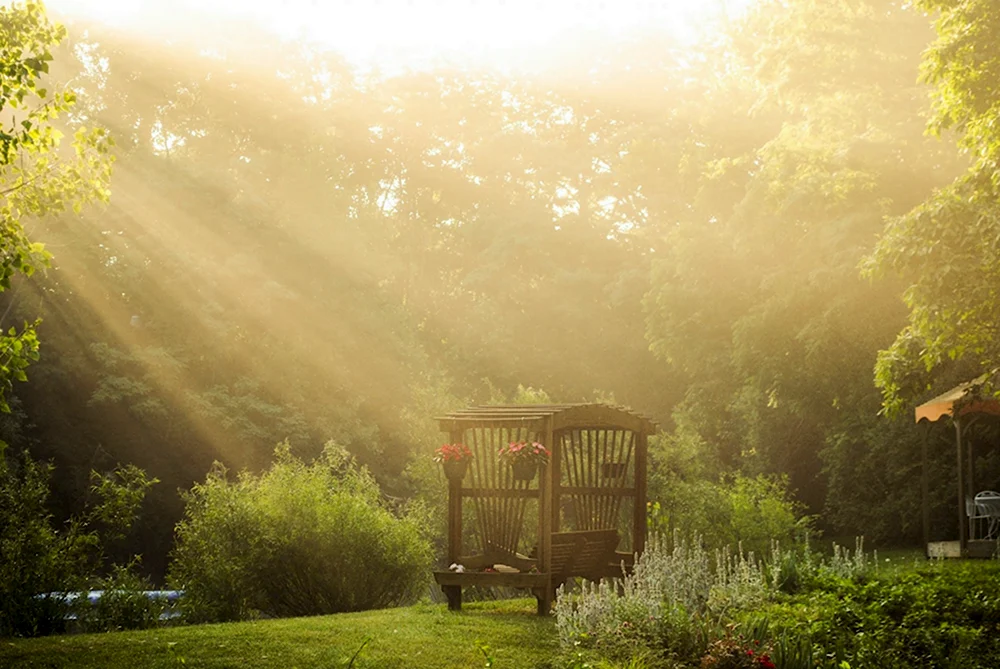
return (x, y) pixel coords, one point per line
(517, 451)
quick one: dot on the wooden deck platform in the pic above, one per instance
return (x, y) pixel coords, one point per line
(492, 579)
(981, 550)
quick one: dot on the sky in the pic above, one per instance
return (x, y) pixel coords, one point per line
(385, 32)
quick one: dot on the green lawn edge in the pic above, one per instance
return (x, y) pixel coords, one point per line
(424, 635)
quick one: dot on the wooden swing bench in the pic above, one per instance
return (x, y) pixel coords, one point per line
(597, 461)
(589, 554)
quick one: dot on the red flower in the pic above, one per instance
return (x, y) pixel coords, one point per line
(452, 453)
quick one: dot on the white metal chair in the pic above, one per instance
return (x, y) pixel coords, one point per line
(987, 507)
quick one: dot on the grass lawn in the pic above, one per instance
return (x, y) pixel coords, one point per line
(415, 637)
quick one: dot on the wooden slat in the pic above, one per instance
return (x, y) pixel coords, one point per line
(573, 471)
(564, 415)
(547, 409)
(504, 507)
(555, 480)
(486, 416)
(516, 560)
(493, 481)
(563, 555)
(449, 424)
(500, 480)
(454, 512)
(518, 518)
(500, 492)
(548, 482)
(587, 462)
(628, 447)
(583, 553)
(502, 413)
(479, 479)
(579, 453)
(604, 501)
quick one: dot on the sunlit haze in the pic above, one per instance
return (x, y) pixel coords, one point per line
(392, 32)
(713, 256)
(153, 76)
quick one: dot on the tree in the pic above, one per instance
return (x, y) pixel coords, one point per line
(948, 247)
(759, 302)
(38, 175)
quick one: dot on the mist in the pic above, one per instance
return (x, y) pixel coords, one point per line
(311, 243)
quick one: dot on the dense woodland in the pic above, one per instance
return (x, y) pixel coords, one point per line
(754, 240)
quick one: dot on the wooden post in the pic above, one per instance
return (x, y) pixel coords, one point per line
(639, 512)
(542, 599)
(970, 465)
(454, 595)
(546, 513)
(454, 520)
(962, 515)
(454, 592)
(970, 484)
(924, 495)
(555, 483)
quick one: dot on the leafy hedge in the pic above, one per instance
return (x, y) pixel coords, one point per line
(297, 540)
(937, 615)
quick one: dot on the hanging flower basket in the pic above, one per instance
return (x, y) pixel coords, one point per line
(455, 470)
(524, 458)
(524, 470)
(454, 458)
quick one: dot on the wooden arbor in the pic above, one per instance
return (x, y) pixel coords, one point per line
(584, 514)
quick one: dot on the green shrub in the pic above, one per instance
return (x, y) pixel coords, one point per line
(219, 544)
(297, 540)
(123, 605)
(936, 616)
(736, 510)
(39, 564)
(800, 569)
(35, 559)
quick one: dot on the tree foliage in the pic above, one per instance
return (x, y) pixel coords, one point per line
(761, 302)
(946, 247)
(38, 175)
